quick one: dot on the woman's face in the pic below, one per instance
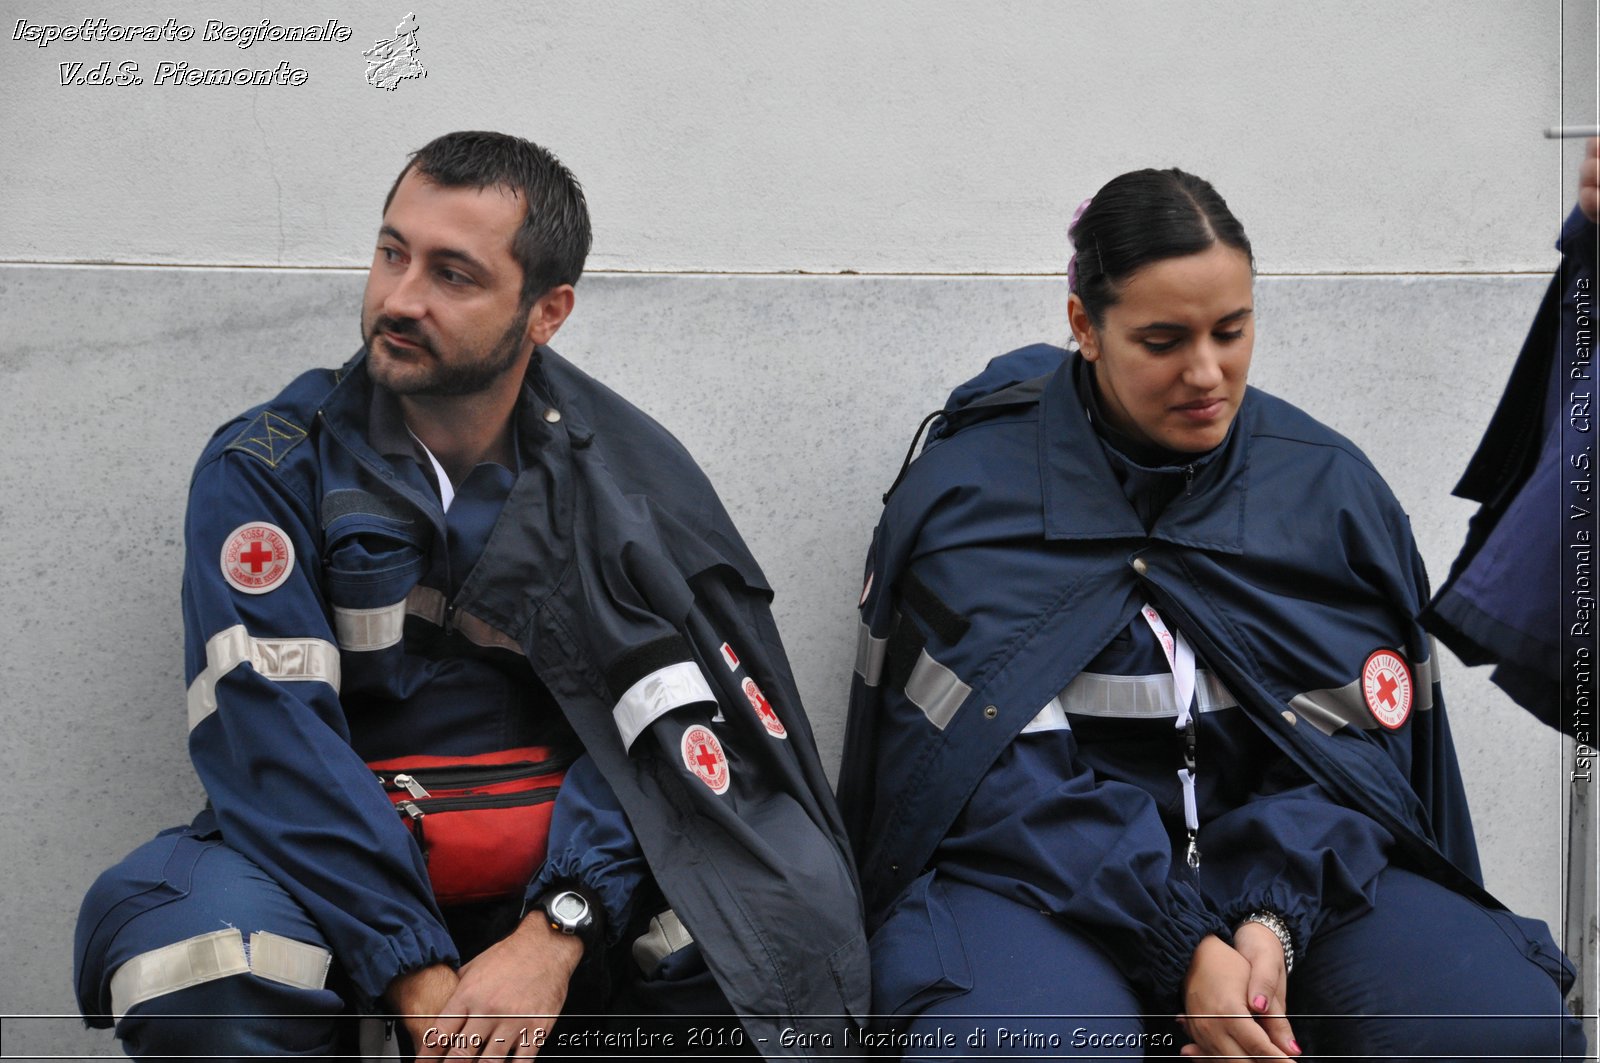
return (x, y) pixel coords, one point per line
(1174, 351)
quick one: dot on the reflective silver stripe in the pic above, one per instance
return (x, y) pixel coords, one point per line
(1346, 706)
(1329, 710)
(1140, 696)
(483, 633)
(666, 935)
(1050, 718)
(935, 690)
(180, 965)
(658, 693)
(291, 962)
(869, 656)
(219, 954)
(282, 660)
(1426, 673)
(430, 605)
(364, 630)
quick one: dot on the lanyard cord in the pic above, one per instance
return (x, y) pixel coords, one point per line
(1180, 659)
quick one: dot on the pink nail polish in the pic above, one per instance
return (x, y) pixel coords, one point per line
(1259, 1003)
(1294, 1046)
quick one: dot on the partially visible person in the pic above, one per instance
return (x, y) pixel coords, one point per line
(491, 714)
(1521, 594)
(1143, 724)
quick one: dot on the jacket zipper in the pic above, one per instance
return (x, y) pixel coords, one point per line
(417, 809)
(469, 775)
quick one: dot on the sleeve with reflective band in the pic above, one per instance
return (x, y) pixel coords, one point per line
(1284, 560)
(268, 736)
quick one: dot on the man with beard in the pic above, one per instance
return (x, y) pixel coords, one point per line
(474, 658)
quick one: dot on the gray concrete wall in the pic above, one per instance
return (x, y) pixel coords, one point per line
(811, 221)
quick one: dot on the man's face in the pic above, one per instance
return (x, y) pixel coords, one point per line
(442, 314)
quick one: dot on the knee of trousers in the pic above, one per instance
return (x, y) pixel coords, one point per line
(958, 970)
(187, 926)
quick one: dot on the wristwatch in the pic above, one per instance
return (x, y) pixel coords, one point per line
(570, 912)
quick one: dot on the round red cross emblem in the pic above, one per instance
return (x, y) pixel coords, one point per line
(702, 755)
(1386, 687)
(257, 557)
(763, 707)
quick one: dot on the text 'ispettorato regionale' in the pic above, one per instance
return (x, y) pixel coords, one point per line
(172, 72)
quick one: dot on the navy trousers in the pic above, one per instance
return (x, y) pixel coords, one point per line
(190, 949)
(1427, 974)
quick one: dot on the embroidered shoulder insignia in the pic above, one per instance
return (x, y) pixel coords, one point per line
(269, 437)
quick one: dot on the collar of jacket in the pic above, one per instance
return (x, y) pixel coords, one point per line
(527, 554)
(1209, 515)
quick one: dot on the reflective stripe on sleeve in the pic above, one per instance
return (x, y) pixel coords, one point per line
(659, 693)
(666, 935)
(219, 954)
(869, 656)
(936, 690)
(364, 630)
(1346, 706)
(367, 630)
(281, 660)
(1140, 696)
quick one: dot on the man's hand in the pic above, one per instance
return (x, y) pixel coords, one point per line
(1589, 181)
(507, 998)
(1216, 996)
(419, 996)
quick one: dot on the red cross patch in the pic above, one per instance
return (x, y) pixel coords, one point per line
(257, 557)
(703, 756)
(1386, 687)
(759, 702)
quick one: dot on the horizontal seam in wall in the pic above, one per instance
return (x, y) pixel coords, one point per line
(778, 274)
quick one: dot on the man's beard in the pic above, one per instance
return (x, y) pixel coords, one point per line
(464, 376)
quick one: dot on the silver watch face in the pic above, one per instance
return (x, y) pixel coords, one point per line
(569, 908)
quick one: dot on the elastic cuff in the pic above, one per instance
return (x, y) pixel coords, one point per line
(1170, 948)
(610, 899)
(1294, 916)
(373, 971)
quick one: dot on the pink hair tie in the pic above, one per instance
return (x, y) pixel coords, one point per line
(1072, 263)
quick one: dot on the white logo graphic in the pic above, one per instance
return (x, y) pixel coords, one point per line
(392, 61)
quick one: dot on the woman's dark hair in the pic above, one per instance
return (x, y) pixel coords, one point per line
(1140, 218)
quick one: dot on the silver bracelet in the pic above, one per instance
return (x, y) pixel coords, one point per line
(1280, 930)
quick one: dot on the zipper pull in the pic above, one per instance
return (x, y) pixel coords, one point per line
(416, 815)
(1194, 852)
(1188, 478)
(412, 787)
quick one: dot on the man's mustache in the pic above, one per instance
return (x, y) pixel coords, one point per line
(404, 327)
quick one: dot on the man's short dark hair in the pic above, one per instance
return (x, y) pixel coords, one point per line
(553, 240)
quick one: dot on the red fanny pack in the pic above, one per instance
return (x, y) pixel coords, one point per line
(482, 822)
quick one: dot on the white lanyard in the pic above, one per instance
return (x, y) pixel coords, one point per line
(1180, 659)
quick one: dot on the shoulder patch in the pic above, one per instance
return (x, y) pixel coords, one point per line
(269, 437)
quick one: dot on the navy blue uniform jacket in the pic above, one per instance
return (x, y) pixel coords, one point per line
(1008, 556)
(614, 569)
